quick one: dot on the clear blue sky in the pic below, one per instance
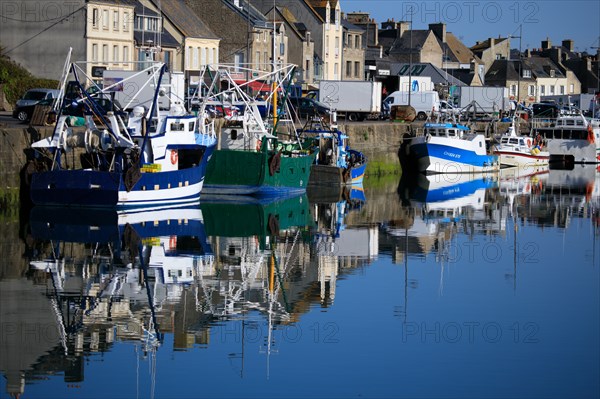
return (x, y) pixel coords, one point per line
(473, 20)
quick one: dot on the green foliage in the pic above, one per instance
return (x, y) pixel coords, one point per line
(16, 80)
(380, 168)
(9, 204)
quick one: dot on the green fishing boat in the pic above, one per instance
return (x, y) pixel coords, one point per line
(247, 216)
(249, 159)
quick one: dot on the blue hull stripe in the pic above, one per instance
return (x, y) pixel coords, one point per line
(423, 194)
(101, 189)
(452, 154)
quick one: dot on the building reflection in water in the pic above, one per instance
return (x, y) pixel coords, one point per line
(99, 277)
(91, 279)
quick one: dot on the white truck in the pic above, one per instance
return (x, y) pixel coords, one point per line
(171, 92)
(357, 100)
(481, 100)
(425, 103)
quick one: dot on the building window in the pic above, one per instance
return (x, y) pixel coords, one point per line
(152, 24)
(348, 69)
(498, 56)
(326, 44)
(104, 19)
(526, 73)
(203, 57)
(551, 89)
(105, 53)
(357, 43)
(552, 73)
(336, 70)
(210, 55)
(307, 70)
(542, 90)
(116, 20)
(188, 58)
(337, 17)
(513, 90)
(196, 55)
(215, 56)
(139, 23)
(238, 60)
(126, 22)
(257, 61)
(95, 18)
(167, 59)
(531, 91)
(115, 54)
(571, 88)
(357, 73)
(562, 89)
(125, 54)
(337, 46)
(266, 59)
(94, 52)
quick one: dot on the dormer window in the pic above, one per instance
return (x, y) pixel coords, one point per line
(526, 73)
(337, 17)
(552, 72)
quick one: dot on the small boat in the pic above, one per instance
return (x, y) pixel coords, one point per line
(570, 138)
(152, 159)
(251, 159)
(522, 151)
(336, 162)
(450, 148)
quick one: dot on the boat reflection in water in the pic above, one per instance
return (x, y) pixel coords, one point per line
(183, 274)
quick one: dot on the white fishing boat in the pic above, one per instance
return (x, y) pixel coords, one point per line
(522, 151)
(570, 138)
(451, 148)
(149, 158)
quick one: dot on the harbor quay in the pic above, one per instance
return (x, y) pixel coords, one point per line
(378, 140)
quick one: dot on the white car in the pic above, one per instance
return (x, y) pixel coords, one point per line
(448, 109)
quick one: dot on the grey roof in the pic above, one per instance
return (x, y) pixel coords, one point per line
(248, 12)
(541, 67)
(404, 44)
(185, 19)
(502, 71)
(437, 75)
(351, 26)
(166, 39)
(140, 9)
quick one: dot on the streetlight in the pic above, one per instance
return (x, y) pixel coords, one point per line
(520, 61)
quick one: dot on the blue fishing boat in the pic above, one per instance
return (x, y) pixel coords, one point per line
(450, 148)
(150, 158)
(336, 163)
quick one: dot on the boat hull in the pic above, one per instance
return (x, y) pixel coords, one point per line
(234, 172)
(107, 189)
(328, 175)
(432, 157)
(574, 150)
(512, 158)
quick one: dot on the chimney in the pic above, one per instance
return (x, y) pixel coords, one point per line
(439, 30)
(546, 44)
(568, 44)
(402, 26)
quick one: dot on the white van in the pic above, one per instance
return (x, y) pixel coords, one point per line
(424, 102)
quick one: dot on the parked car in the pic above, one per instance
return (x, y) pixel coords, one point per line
(308, 107)
(104, 104)
(447, 109)
(25, 106)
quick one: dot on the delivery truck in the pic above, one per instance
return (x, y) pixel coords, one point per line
(357, 100)
(481, 100)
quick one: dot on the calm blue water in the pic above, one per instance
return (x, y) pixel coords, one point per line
(487, 290)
